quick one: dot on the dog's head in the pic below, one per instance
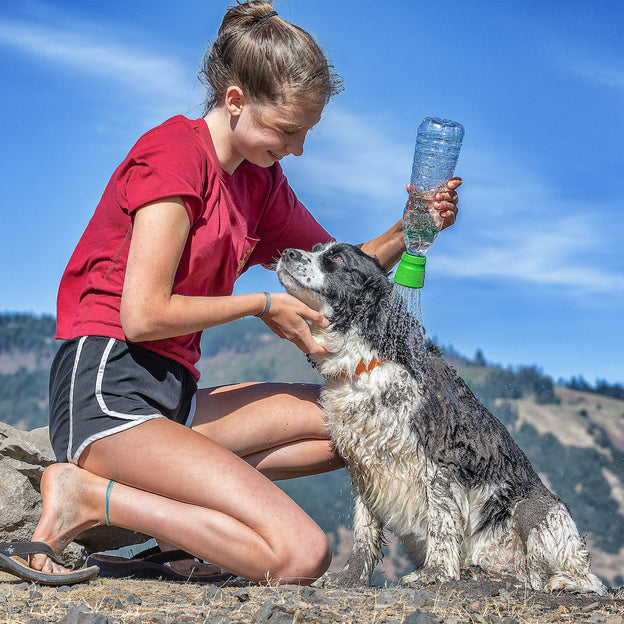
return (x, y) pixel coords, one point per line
(339, 280)
(352, 290)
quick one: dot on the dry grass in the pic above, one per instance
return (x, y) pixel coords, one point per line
(130, 601)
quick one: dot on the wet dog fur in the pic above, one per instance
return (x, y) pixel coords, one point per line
(427, 461)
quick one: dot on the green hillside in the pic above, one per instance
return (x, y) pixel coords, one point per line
(573, 433)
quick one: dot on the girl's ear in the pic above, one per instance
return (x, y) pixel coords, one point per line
(234, 100)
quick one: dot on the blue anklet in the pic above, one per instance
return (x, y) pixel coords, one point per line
(108, 491)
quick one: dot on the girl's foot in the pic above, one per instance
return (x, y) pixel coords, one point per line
(73, 501)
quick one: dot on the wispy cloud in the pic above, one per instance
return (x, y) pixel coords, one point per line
(549, 259)
(531, 231)
(527, 230)
(350, 155)
(612, 77)
(509, 231)
(604, 69)
(88, 49)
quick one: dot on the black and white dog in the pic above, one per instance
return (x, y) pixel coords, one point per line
(426, 459)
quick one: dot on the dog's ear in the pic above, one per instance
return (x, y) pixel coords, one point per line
(381, 266)
(373, 257)
(376, 259)
(318, 247)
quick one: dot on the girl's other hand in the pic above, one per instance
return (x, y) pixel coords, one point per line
(288, 318)
(446, 202)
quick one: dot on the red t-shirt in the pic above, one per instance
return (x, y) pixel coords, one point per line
(236, 220)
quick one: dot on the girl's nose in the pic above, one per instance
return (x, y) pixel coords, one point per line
(295, 144)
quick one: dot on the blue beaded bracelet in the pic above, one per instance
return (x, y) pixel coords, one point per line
(267, 305)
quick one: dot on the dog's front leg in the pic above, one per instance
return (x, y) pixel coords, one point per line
(366, 551)
(445, 534)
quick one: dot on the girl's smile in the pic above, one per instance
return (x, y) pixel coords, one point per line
(262, 134)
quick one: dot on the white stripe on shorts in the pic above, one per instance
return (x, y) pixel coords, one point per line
(71, 398)
(189, 418)
(131, 419)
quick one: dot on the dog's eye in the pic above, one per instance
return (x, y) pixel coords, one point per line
(337, 258)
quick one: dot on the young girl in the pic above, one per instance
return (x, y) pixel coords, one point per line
(193, 205)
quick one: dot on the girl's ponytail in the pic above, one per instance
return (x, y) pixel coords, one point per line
(270, 59)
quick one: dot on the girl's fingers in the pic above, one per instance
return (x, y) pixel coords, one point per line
(289, 318)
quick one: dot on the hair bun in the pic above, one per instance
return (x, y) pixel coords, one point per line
(270, 65)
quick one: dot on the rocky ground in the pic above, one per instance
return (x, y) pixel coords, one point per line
(132, 601)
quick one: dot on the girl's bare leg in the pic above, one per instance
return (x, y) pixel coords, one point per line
(278, 428)
(188, 490)
(185, 489)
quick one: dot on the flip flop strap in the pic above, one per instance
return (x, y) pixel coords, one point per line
(20, 549)
(155, 555)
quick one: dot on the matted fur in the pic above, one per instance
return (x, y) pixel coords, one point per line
(426, 459)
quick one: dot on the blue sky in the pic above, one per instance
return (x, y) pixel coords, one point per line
(533, 271)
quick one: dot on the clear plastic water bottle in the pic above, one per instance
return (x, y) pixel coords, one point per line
(435, 156)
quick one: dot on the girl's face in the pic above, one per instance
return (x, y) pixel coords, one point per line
(264, 134)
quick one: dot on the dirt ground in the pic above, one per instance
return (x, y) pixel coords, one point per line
(469, 600)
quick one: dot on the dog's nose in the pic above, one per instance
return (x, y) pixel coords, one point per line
(292, 254)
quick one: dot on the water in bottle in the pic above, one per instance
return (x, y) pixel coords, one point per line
(435, 156)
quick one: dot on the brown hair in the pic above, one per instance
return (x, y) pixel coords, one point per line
(270, 59)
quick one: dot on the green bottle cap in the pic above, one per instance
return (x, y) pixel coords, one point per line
(411, 271)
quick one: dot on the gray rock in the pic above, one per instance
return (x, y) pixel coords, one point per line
(213, 593)
(265, 612)
(270, 613)
(242, 595)
(386, 598)
(419, 617)
(24, 455)
(281, 617)
(313, 596)
(419, 598)
(77, 616)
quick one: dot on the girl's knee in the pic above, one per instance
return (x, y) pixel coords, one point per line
(306, 561)
(322, 559)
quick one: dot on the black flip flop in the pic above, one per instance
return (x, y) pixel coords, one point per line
(14, 560)
(150, 564)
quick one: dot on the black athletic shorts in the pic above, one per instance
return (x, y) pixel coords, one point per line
(100, 386)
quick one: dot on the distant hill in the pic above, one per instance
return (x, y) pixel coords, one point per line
(573, 433)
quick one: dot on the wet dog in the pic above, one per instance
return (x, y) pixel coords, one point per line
(427, 461)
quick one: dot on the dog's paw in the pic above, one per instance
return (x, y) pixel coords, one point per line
(339, 579)
(428, 576)
(581, 583)
(325, 581)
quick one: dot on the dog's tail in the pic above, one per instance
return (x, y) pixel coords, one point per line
(556, 555)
